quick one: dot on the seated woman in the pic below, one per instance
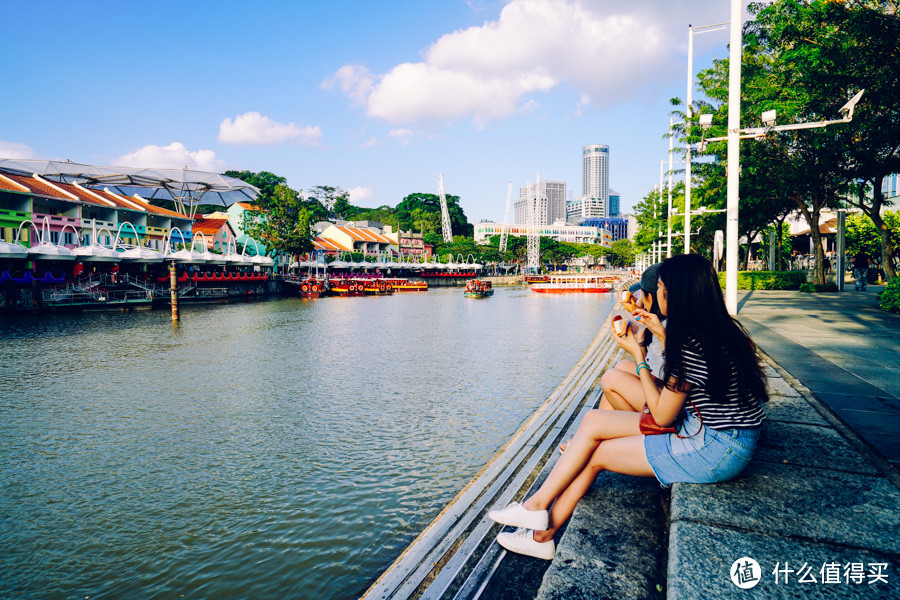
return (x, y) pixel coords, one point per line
(713, 390)
(621, 387)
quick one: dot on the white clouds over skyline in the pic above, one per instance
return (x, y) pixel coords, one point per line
(360, 194)
(16, 150)
(173, 156)
(603, 50)
(255, 129)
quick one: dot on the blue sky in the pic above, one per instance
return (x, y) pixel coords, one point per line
(378, 98)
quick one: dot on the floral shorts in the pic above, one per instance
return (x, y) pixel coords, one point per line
(709, 456)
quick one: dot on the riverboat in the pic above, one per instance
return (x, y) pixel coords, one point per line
(537, 278)
(584, 283)
(313, 288)
(478, 288)
(401, 284)
(359, 286)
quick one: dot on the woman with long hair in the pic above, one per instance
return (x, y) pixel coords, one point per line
(714, 385)
(621, 386)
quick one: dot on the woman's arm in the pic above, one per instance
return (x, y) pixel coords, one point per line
(665, 403)
(652, 322)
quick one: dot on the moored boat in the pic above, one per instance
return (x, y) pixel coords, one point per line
(537, 278)
(313, 288)
(347, 286)
(584, 283)
(401, 284)
(478, 288)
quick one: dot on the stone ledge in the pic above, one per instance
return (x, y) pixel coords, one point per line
(834, 507)
(614, 544)
(701, 557)
(810, 446)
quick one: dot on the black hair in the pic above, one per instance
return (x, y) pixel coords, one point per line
(654, 308)
(695, 310)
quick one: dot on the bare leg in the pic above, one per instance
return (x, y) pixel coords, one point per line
(597, 425)
(620, 455)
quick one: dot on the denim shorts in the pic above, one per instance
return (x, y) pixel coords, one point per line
(709, 456)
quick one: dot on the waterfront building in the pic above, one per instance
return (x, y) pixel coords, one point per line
(240, 216)
(616, 226)
(412, 243)
(546, 200)
(559, 231)
(368, 241)
(73, 212)
(217, 231)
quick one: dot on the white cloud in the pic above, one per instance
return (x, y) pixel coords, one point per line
(402, 134)
(173, 156)
(370, 142)
(253, 128)
(360, 194)
(16, 150)
(355, 81)
(602, 49)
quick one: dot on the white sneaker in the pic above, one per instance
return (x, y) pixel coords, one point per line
(516, 515)
(521, 541)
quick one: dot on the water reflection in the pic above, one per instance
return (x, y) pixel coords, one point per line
(283, 449)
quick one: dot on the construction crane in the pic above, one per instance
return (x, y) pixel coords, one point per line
(504, 231)
(445, 214)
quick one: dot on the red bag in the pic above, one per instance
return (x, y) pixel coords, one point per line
(649, 426)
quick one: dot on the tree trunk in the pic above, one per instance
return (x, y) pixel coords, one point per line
(779, 240)
(812, 219)
(887, 247)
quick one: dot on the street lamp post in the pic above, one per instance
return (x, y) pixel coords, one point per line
(688, 114)
(669, 209)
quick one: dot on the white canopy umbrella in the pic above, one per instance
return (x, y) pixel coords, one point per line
(12, 250)
(339, 264)
(44, 250)
(96, 253)
(139, 254)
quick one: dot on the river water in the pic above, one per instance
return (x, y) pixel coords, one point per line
(283, 449)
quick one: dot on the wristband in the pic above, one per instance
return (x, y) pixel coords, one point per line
(640, 366)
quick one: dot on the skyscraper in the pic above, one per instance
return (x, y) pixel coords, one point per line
(547, 200)
(595, 177)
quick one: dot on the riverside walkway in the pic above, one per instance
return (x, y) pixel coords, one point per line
(817, 508)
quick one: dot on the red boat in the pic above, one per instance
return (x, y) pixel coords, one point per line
(313, 288)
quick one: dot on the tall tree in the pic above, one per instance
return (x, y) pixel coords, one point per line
(821, 53)
(285, 223)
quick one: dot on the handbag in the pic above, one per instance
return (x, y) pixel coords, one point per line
(649, 426)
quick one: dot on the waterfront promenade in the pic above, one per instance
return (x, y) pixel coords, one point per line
(818, 506)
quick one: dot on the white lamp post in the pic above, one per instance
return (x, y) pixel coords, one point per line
(688, 114)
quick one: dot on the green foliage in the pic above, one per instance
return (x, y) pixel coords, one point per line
(889, 299)
(768, 280)
(621, 253)
(862, 234)
(422, 212)
(285, 226)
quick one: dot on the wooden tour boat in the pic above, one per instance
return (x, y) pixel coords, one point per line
(478, 288)
(584, 283)
(405, 285)
(532, 278)
(313, 288)
(361, 287)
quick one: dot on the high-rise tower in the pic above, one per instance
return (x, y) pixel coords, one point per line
(595, 175)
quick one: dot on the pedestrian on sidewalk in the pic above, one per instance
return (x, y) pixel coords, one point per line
(861, 269)
(714, 387)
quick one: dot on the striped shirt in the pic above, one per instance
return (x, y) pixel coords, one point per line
(737, 409)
